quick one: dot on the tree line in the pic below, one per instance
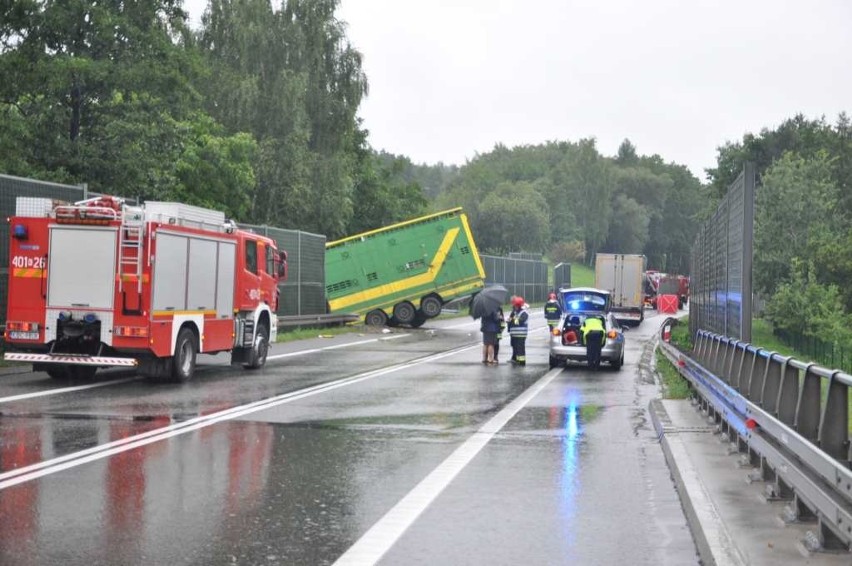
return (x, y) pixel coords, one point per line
(803, 209)
(254, 113)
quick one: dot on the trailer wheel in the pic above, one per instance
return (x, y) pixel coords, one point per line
(418, 321)
(404, 312)
(376, 317)
(183, 361)
(260, 348)
(431, 306)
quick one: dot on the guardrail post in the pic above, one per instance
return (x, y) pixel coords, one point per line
(727, 360)
(736, 366)
(749, 364)
(714, 355)
(788, 393)
(758, 376)
(771, 386)
(834, 420)
(808, 407)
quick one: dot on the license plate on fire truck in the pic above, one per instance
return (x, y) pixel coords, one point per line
(19, 335)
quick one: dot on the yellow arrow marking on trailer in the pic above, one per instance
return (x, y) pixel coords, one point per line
(404, 284)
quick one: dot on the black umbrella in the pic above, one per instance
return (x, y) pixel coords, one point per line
(488, 301)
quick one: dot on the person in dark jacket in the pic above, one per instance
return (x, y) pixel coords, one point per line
(518, 325)
(552, 312)
(490, 328)
(502, 317)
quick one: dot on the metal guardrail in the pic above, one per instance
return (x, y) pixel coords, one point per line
(317, 319)
(788, 419)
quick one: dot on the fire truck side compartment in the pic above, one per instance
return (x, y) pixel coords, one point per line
(81, 269)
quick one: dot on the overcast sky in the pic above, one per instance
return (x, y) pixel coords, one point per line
(451, 78)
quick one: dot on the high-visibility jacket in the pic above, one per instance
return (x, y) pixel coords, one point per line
(593, 324)
(518, 323)
(552, 312)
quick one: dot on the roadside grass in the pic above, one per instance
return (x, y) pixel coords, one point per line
(675, 386)
(304, 332)
(582, 275)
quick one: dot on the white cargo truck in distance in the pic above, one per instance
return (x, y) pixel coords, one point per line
(621, 275)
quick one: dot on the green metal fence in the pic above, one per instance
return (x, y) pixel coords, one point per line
(524, 277)
(304, 291)
(828, 354)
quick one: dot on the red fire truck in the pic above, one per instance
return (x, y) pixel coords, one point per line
(100, 283)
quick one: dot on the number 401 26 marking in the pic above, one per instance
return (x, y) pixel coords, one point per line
(21, 261)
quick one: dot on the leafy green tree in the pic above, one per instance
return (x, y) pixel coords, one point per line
(803, 306)
(80, 75)
(512, 217)
(795, 204)
(628, 231)
(383, 195)
(583, 183)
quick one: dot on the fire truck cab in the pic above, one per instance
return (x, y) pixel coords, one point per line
(100, 283)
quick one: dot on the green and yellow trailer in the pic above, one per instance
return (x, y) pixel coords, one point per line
(403, 274)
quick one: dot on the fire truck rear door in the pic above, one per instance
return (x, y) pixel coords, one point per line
(81, 267)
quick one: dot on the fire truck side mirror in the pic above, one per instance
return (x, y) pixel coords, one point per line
(282, 265)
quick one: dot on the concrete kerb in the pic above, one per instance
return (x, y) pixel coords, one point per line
(714, 542)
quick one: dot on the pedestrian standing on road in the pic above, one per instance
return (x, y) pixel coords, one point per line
(594, 336)
(489, 327)
(518, 330)
(552, 312)
(502, 316)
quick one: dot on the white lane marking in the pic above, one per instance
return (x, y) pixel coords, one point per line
(61, 390)
(335, 347)
(21, 475)
(370, 548)
(65, 390)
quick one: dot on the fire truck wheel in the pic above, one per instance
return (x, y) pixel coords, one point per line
(82, 372)
(376, 317)
(57, 372)
(183, 362)
(430, 306)
(404, 312)
(260, 348)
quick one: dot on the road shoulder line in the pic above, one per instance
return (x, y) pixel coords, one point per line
(714, 542)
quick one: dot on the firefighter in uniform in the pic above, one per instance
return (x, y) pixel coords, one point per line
(552, 312)
(518, 327)
(594, 337)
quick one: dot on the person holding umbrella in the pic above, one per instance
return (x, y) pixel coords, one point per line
(486, 305)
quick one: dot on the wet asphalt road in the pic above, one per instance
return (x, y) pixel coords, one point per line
(338, 436)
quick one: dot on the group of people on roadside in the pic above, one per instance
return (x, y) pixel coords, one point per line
(592, 331)
(517, 323)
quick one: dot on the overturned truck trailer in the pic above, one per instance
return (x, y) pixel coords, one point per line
(403, 274)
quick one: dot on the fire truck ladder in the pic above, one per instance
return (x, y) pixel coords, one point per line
(130, 246)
